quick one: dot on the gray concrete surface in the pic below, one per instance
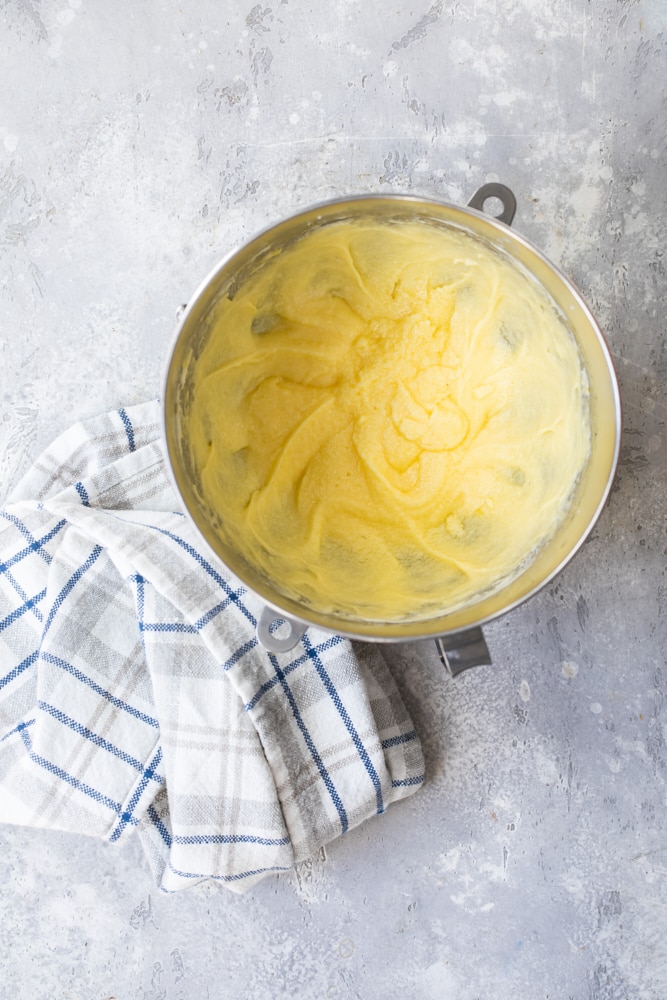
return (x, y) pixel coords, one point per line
(141, 141)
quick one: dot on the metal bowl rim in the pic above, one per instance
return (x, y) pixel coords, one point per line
(409, 630)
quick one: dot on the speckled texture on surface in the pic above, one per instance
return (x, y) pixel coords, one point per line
(139, 143)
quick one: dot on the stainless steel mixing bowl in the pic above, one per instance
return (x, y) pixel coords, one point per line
(457, 633)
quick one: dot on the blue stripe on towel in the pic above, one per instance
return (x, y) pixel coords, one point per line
(129, 430)
(57, 661)
(18, 729)
(59, 772)
(329, 643)
(70, 585)
(159, 825)
(349, 725)
(81, 490)
(127, 817)
(319, 763)
(230, 838)
(98, 740)
(35, 546)
(28, 605)
(233, 595)
(27, 534)
(18, 669)
(395, 741)
(408, 782)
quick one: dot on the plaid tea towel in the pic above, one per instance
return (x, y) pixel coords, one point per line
(134, 694)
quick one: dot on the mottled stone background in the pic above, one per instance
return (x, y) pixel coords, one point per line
(139, 141)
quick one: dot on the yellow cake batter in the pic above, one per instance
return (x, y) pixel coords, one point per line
(388, 419)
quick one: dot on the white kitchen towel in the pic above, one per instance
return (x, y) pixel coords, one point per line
(134, 694)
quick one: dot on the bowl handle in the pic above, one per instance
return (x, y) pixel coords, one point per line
(274, 643)
(503, 194)
(462, 650)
